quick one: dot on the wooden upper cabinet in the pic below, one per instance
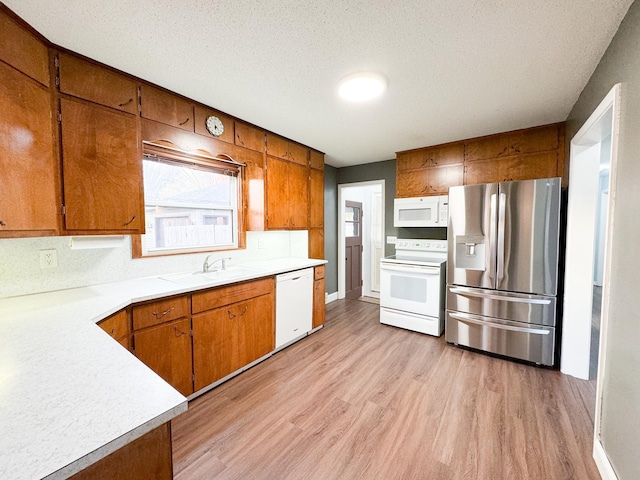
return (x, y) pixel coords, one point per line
(534, 140)
(523, 167)
(250, 137)
(201, 116)
(27, 162)
(428, 181)
(316, 243)
(316, 159)
(166, 107)
(21, 49)
(97, 84)
(431, 157)
(316, 198)
(280, 147)
(287, 194)
(102, 169)
(494, 146)
(253, 189)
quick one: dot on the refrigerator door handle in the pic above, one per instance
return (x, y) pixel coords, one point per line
(492, 221)
(466, 293)
(501, 231)
(465, 319)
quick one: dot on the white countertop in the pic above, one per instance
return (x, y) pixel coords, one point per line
(69, 393)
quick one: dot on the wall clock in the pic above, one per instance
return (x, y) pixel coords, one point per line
(214, 125)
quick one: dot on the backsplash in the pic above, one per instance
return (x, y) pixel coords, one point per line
(20, 271)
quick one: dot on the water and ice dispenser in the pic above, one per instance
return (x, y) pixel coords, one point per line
(470, 252)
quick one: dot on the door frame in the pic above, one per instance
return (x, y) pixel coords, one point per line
(575, 342)
(341, 236)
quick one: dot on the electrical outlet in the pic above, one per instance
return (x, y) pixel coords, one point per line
(48, 258)
(391, 240)
(262, 243)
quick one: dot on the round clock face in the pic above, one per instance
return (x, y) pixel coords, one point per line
(214, 126)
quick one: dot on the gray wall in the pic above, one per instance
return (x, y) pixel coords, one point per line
(620, 432)
(331, 228)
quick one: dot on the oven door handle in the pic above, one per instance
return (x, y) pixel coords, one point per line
(410, 268)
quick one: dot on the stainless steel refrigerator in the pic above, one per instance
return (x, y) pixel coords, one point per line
(502, 270)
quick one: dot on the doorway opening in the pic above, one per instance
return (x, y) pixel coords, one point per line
(371, 222)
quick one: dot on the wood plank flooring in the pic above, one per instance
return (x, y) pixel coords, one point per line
(361, 400)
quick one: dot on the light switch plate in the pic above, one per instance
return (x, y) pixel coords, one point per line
(48, 258)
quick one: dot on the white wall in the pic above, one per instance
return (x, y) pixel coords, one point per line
(20, 271)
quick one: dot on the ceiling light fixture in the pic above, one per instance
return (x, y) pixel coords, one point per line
(362, 86)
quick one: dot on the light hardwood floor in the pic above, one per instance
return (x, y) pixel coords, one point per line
(361, 400)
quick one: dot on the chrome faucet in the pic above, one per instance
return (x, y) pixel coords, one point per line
(206, 266)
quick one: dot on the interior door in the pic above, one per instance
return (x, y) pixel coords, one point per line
(353, 249)
(528, 224)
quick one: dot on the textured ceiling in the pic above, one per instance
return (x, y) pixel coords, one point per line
(456, 68)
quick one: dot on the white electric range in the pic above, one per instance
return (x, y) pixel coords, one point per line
(412, 286)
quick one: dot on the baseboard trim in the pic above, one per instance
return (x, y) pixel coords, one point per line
(602, 462)
(331, 297)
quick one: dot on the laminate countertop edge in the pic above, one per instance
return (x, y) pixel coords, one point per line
(69, 393)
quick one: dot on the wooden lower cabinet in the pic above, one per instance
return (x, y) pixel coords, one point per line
(166, 349)
(147, 457)
(117, 325)
(227, 338)
(318, 296)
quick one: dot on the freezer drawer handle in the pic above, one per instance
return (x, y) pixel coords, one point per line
(502, 326)
(536, 301)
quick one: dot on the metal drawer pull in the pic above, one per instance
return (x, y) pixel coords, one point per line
(502, 326)
(125, 103)
(178, 333)
(465, 293)
(182, 123)
(234, 315)
(2, 224)
(162, 314)
(129, 222)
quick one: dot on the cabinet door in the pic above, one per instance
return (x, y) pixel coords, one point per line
(298, 153)
(316, 198)
(102, 169)
(278, 198)
(256, 330)
(166, 349)
(22, 50)
(298, 195)
(316, 243)
(483, 148)
(318, 302)
(429, 181)
(250, 137)
(253, 189)
(214, 346)
(28, 185)
(97, 84)
(316, 159)
(431, 157)
(534, 140)
(167, 108)
(277, 146)
(523, 167)
(117, 326)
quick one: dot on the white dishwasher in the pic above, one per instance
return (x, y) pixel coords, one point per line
(294, 305)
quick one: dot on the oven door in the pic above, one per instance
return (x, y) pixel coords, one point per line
(410, 288)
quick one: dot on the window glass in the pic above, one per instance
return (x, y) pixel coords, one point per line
(188, 208)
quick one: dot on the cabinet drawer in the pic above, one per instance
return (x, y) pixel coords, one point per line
(219, 297)
(318, 272)
(115, 325)
(160, 312)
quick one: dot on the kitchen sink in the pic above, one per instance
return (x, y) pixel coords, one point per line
(203, 278)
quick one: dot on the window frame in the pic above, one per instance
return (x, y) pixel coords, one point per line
(223, 162)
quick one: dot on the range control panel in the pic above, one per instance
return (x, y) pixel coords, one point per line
(421, 245)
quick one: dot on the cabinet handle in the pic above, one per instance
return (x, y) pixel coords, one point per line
(2, 224)
(245, 310)
(113, 332)
(182, 123)
(234, 315)
(129, 222)
(162, 314)
(178, 333)
(125, 103)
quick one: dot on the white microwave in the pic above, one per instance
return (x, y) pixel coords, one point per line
(421, 211)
